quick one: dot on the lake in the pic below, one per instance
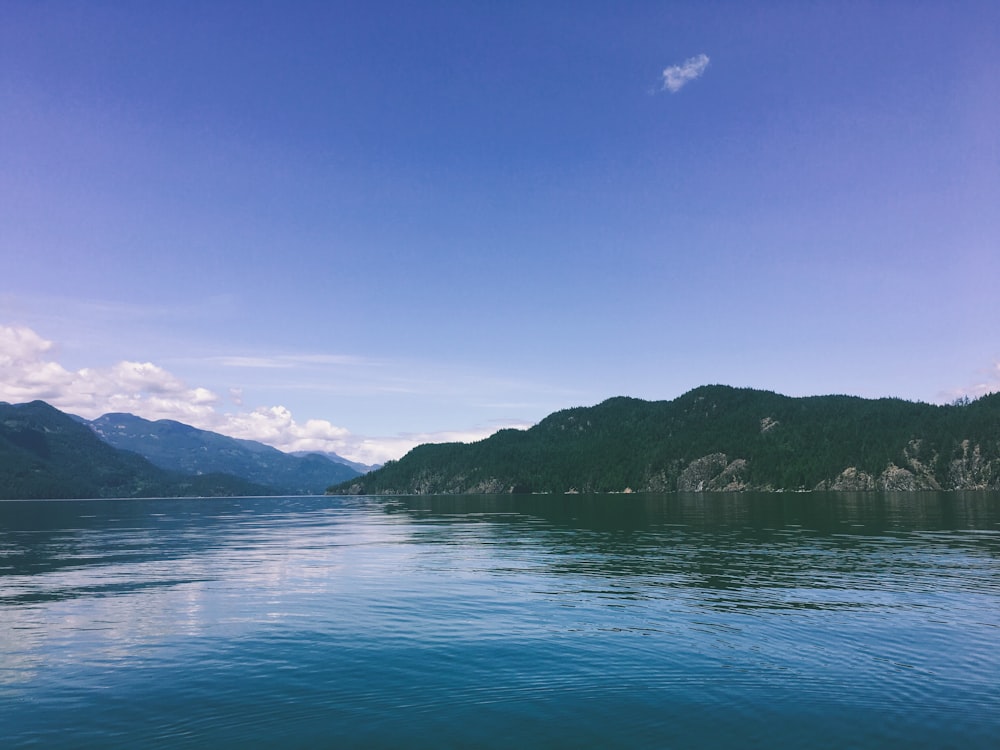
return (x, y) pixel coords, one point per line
(741, 620)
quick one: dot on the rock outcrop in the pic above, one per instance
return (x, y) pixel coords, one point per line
(971, 471)
(714, 473)
(968, 471)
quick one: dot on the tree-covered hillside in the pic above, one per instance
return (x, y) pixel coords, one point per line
(45, 453)
(716, 438)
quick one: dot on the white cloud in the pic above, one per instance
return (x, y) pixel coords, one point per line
(27, 372)
(275, 426)
(677, 76)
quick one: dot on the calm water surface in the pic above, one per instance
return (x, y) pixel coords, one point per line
(805, 621)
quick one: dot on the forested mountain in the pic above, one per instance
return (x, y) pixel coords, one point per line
(717, 438)
(45, 453)
(179, 447)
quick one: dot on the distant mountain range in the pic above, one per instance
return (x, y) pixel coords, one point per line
(188, 450)
(716, 438)
(45, 453)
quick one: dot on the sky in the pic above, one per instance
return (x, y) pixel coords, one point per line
(359, 226)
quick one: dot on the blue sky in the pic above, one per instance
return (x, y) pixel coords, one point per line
(358, 226)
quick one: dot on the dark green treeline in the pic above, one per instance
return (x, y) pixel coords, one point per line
(717, 438)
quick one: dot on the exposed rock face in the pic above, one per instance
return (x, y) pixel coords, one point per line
(971, 471)
(896, 479)
(658, 482)
(701, 472)
(923, 471)
(489, 487)
(893, 479)
(714, 473)
(850, 479)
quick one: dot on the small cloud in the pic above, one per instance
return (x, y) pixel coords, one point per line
(677, 76)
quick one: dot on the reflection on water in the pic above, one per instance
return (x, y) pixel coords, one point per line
(806, 620)
(730, 541)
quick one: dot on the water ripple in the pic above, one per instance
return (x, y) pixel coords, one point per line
(542, 622)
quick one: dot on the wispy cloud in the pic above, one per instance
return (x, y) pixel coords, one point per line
(288, 360)
(677, 77)
(29, 371)
(252, 363)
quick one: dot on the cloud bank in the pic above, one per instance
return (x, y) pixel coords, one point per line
(677, 76)
(28, 372)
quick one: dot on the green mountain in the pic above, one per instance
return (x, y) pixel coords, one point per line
(45, 453)
(716, 438)
(179, 447)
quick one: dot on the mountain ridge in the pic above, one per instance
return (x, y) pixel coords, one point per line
(176, 446)
(48, 454)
